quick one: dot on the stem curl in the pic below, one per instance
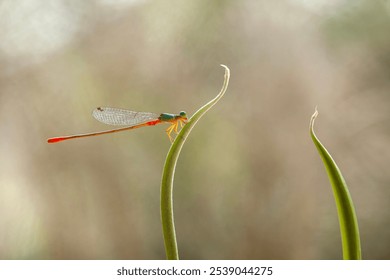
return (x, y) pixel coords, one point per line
(349, 229)
(166, 199)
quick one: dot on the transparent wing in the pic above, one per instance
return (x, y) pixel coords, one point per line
(115, 116)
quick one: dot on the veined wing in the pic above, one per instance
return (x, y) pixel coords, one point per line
(115, 116)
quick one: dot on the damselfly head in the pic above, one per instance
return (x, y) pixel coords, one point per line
(183, 115)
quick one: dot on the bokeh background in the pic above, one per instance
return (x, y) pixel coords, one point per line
(249, 182)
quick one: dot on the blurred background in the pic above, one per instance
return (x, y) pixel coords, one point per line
(249, 183)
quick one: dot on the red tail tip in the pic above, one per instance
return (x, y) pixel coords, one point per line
(55, 140)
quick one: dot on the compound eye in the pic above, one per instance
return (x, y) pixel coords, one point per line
(183, 114)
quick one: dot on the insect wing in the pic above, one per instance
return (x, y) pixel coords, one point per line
(115, 116)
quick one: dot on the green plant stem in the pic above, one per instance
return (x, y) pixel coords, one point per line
(169, 172)
(347, 217)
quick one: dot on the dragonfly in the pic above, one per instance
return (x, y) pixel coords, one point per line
(130, 119)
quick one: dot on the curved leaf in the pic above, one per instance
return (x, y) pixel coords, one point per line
(347, 217)
(169, 172)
